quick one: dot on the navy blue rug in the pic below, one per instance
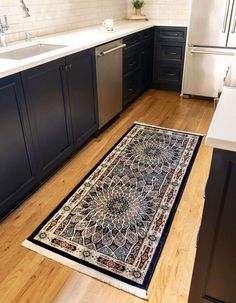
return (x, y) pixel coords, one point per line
(114, 224)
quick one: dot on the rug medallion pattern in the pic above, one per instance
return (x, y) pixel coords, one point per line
(115, 219)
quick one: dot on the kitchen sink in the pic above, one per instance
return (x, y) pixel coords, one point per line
(29, 51)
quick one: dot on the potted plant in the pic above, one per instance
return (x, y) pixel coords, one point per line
(137, 4)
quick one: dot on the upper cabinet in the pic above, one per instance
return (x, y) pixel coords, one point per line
(16, 157)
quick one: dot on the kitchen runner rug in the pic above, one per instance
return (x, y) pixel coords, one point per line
(114, 224)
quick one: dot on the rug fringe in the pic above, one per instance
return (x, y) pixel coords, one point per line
(179, 131)
(138, 292)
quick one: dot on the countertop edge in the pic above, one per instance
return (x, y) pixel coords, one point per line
(221, 133)
(16, 66)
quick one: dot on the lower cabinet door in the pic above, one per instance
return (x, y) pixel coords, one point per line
(214, 275)
(146, 55)
(131, 87)
(81, 79)
(48, 114)
(16, 164)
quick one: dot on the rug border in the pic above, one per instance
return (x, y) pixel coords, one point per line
(84, 269)
(165, 233)
(171, 129)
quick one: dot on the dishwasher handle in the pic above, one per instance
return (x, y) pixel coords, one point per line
(104, 53)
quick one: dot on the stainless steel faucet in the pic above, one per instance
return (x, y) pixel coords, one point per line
(28, 36)
(25, 9)
(3, 28)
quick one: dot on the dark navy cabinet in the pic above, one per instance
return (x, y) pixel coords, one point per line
(81, 80)
(146, 60)
(169, 52)
(214, 275)
(16, 158)
(48, 114)
(137, 64)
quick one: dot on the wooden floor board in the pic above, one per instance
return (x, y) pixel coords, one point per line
(26, 276)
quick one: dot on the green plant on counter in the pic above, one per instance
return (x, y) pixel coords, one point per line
(137, 4)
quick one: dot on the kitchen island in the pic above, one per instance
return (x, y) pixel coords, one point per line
(214, 271)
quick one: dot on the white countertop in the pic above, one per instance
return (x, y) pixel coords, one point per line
(74, 41)
(222, 131)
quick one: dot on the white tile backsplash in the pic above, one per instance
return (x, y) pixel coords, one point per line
(165, 10)
(51, 16)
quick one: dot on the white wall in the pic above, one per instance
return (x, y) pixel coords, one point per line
(51, 16)
(162, 10)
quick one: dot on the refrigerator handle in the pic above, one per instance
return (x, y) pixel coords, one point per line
(226, 16)
(234, 23)
(213, 52)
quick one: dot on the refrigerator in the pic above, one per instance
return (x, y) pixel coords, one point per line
(210, 48)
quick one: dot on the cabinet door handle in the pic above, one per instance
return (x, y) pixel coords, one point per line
(67, 67)
(132, 63)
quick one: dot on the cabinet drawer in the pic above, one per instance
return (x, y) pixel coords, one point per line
(147, 34)
(132, 41)
(173, 53)
(166, 33)
(169, 73)
(131, 63)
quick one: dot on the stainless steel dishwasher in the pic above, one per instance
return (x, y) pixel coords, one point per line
(109, 80)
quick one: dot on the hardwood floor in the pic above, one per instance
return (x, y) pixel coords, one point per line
(26, 276)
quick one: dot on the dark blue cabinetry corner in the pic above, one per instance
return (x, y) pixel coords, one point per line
(137, 64)
(169, 52)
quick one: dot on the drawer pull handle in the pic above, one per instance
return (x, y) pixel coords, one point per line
(171, 53)
(173, 34)
(131, 89)
(133, 42)
(171, 74)
(132, 63)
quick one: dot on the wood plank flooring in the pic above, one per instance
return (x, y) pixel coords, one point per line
(26, 276)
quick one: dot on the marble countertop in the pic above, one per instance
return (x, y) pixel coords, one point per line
(222, 131)
(74, 41)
